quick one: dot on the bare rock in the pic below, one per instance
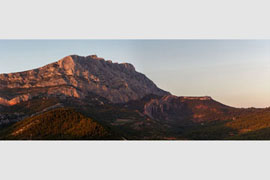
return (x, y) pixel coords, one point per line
(76, 76)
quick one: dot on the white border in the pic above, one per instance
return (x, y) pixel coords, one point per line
(134, 160)
(122, 19)
(144, 19)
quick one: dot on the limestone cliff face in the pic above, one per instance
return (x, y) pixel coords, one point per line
(173, 109)
(76, 76)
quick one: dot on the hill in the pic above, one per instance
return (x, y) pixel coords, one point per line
(61, 123)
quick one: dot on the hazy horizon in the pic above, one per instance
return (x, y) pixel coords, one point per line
(233, 72)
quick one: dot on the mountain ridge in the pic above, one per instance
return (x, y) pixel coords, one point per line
(114, 81)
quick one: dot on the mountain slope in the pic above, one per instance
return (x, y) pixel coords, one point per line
(61, 123)
(76, 76)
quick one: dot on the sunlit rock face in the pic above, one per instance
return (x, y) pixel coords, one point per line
(77, 76)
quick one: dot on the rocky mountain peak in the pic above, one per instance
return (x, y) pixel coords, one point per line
(68, 64)
(94, 56)
(77, 76)
(70, 61)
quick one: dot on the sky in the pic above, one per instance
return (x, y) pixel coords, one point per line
(234, 72)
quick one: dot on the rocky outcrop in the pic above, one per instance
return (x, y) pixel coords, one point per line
(175, 110)
(15, 100)
(77, 76)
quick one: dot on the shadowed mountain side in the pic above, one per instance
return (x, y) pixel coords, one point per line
(186, 110)
(129, 120)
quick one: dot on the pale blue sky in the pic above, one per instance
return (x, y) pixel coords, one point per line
(234, 72)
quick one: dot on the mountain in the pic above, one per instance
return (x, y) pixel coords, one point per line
(91, 98)
(77, 76)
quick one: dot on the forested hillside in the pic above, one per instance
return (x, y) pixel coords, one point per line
(62, 123)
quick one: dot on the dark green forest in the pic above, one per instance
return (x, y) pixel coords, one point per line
(62, 123)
